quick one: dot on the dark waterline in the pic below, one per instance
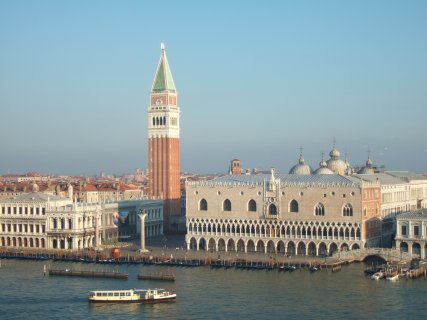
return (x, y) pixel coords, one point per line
(211, 294)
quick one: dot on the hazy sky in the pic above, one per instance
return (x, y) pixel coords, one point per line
(256, 80)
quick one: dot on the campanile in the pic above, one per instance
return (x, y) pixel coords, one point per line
(163, 141)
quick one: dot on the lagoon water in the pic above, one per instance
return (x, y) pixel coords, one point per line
(205, 293)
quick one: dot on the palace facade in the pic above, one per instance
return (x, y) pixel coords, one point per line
(411, 233)
(42, 221)
(286, 213)
(304, 212)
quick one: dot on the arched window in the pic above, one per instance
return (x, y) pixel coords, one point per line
(203, 205)
(293, 206)
(272, 209)
(226, 206)
(164, 121)
(157, 121)
(347, 211)
(319, 209)
(252, 205)
(154, 121)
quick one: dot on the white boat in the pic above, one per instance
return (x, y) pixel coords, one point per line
(377, 275)
(393, 277)
(132, 295)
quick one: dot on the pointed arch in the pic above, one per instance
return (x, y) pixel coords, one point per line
(250, 246)
(312, 249)
(280, 247)
(221, 245)
(260, 246)
(319, 209)
(347, 210)
(226, 205)
(293, 206)
(271, 248)
(211, 244)
(323, 249)
(272, 209)
(203, 205)
(252, 205)
(301, 249)
(291, 247)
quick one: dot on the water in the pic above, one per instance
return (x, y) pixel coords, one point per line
(211, 294)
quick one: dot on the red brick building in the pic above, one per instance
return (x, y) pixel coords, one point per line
(163, 141)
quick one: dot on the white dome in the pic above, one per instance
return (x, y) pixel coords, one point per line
(337, 166)
(323, 170)
(368, 168)
(335, 154)
(335, 163)
(301, 168)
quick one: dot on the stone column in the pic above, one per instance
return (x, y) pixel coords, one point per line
(97, 242)
(142, 219)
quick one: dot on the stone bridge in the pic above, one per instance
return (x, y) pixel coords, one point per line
(389, 255)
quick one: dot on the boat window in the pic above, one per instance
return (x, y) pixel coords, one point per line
(128, 294)
(116, 294)
(110, 294)
(122, 294)
(104, 294)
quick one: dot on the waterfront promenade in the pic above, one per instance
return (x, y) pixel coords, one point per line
(173, 247)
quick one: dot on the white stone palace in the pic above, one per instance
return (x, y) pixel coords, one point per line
(43, 221)
(303, 212)
(411, 233)
(294, 214)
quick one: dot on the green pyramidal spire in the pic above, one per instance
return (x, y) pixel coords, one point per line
(163, 80)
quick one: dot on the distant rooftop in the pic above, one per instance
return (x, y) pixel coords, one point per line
(33, 197)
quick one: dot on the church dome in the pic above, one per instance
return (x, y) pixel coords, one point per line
(323, 168)
(301, 168)
(368, 168)
(335, 163)
(335, 154)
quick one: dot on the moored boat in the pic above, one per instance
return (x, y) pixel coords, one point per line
(315, 268)
(394, 277)
(132, 295)
(377, 275)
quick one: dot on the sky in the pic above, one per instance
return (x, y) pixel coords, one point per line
(257, 80)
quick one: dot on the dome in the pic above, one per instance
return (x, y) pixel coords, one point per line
(335, 163)
(337, 166)
(323, 168)
(368, 168)
(335, 154)
(301, 168)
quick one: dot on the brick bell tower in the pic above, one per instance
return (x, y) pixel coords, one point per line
(163, 142)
